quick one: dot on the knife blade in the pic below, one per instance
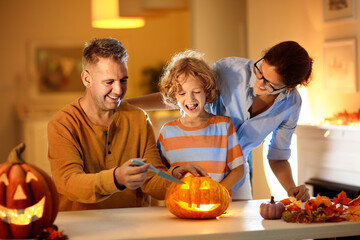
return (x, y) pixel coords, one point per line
(158, 172)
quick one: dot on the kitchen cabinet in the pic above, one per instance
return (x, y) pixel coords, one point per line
(330, 153)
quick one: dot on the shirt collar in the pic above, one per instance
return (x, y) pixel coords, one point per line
(282, 95)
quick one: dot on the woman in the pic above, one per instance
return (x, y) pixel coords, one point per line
(260, 98)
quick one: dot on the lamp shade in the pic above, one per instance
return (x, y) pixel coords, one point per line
(105, 14)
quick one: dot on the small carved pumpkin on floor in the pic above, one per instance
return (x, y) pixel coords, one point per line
(199, 198)
(29, 201)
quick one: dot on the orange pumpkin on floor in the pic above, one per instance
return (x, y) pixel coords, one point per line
(28, 198)
(199, 198)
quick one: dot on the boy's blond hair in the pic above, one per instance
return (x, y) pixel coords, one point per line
(189, 63)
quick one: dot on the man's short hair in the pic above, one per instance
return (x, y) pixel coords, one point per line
(105, 48)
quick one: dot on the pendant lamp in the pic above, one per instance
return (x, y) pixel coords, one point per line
(106, 14)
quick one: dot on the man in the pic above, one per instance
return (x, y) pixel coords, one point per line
(92, 141)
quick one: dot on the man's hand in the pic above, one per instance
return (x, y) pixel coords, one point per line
(300, 193)
(131, 176)
(195, 170)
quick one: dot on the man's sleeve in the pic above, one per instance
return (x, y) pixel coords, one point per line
(67, 165)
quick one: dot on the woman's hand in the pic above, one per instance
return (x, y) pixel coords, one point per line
(300, 193)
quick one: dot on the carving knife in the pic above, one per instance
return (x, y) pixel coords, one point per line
(158, 172)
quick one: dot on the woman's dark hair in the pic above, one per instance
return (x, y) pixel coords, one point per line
(292, 63)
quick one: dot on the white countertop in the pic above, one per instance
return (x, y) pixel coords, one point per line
(241, 221)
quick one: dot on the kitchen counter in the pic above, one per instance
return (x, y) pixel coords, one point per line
(241, 221)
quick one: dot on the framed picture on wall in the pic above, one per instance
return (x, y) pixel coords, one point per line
(55, 70)
(338, 10)
(340, 65)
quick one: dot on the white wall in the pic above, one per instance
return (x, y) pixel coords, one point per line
(270, 22)
(218, 28)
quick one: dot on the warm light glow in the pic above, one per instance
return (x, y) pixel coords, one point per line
(326, 134)
(196, 207)
(105, 14)
(118, 23)
(23, 216)
(205, 185)
(275, 186)
(342, 118)
(306, 115)
(30, 176)
(4, 179)
(185, 186)
(19, 193)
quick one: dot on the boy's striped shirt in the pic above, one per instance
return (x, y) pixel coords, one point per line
(213, 146)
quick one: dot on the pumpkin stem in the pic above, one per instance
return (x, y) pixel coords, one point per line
(15, 154)
(272, 200)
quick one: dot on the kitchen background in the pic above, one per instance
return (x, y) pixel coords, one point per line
(33, 31)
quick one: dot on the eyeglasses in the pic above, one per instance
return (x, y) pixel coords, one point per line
(267, 83)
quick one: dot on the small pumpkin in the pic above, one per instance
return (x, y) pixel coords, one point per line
(28, 198)
(272, 209)
(199, 198)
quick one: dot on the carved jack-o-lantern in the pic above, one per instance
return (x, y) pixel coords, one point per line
(28, 198)
(199, 197)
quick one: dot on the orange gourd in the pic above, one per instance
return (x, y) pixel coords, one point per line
(28, 198)
(199, 198)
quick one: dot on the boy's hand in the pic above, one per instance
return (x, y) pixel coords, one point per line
(195, 170)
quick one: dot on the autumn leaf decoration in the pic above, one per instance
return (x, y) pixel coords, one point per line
(353, 213)
(322, 209)
(341, 198)
(354, 210)
(292, 204)
(355, 201)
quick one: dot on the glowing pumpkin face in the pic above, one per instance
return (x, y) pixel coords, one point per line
(28, 198)
(199, 197)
